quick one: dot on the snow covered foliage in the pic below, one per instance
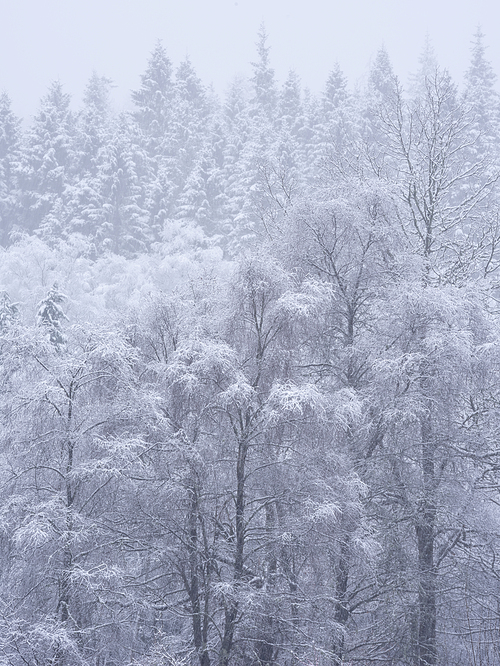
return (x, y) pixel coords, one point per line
(8, 312)
(50, 316)
(260, 425)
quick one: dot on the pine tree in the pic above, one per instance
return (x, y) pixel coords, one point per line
(381, 78)
(124, 177)
(235, 125)
(309, 134)
(10, 155)
(47, 166)
(204, 198)
(154, 100)
(290, 110)
(189, 122)
(154, 139)
(265, 95)
(381, 91)
(291, 122)
(482, 98)
(50, 316)
(335, 130)
(9, 312)
(93, 135)
(93, 124)
(426, 71)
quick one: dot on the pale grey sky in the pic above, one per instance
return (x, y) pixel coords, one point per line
(43, 40)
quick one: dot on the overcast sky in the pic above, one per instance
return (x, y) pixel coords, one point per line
(43, 40)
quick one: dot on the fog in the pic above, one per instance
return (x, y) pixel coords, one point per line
(68, 39)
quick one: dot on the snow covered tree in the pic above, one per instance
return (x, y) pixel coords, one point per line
(381, 88)
(483, 100)
(220, 362)
(264, 172)
(154, 100)
(290, 148)
(172, 120)
(265, 95)
(119, 212)
(350, 244)
(10, 154)
(47, 166)
(93, 134)
(428, 456)
(8, 312)
(204, 198)
(69, 443)
(381, 78)
(424, 148)
(190, 122)
(428, 66)
(290, 104)
(236, 173)
(50, 316)
(335, 140)
(93, 123)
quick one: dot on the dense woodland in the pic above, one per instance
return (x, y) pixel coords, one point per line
(249, 371)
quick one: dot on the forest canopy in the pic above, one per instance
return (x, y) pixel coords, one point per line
(249, 371)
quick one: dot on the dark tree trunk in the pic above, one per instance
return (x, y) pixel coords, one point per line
(425, 532)
(341, 610)
(231, 611)
(266, 647)
(199, 633)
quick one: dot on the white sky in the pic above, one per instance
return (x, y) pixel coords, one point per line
(43, 40)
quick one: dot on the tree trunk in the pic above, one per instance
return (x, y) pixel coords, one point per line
(199, 636)
(341, 611)
(231, 611)
(67, 555)
(266, 647)
(425, 532)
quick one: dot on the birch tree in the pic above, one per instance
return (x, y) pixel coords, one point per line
(67, 438)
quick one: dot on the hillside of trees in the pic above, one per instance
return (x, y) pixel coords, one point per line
(250, 371)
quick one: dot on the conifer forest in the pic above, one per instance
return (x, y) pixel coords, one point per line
(250, 371)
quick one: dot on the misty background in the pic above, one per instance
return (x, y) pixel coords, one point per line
(69, 39)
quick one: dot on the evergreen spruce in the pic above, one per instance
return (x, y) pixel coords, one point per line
(10, 155)
(50, 316)
(47, 167)
(9, 312)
